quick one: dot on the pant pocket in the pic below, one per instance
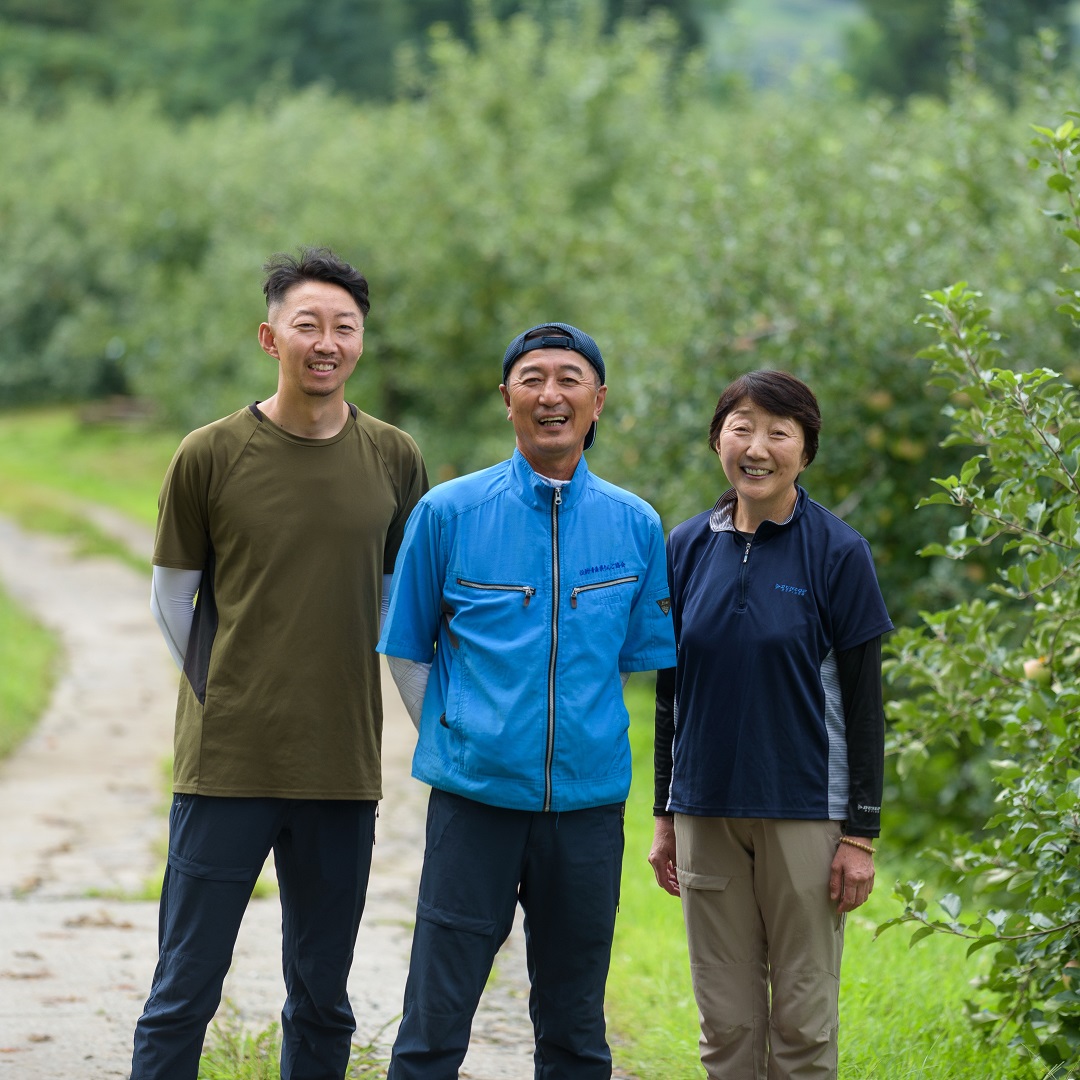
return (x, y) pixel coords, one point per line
(688, 879)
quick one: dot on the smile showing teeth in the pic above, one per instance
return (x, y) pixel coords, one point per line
(557, 420)
(756, 472)
(322, 367)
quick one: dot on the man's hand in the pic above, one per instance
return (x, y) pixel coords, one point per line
(662, 856)
(852, 877)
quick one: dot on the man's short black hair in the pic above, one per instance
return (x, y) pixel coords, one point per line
(283, 271)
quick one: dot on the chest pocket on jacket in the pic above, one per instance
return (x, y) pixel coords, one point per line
(614, 592)
(527, 591)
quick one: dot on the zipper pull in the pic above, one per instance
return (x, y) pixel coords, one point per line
(558, 496)
(746, 553)
(528, 590)
(573, 598)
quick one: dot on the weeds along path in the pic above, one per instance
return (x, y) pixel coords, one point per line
(82, 830)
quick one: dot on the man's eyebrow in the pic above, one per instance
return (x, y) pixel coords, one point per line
(577, 369)
(339, 315)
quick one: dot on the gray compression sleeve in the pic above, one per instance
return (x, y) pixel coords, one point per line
(172, 599)
(411, 679)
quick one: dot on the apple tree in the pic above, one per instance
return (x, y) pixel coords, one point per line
(1002, 670)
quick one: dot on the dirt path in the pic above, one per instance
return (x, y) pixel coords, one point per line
(82, 821)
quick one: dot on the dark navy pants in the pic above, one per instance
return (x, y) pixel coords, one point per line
(217, 847)
(480, 862)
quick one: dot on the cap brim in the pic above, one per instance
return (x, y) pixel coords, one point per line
(590, 437)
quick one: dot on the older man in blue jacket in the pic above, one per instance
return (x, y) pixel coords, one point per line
(523, 596)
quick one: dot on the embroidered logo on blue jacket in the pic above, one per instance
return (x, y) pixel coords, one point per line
(601, 569)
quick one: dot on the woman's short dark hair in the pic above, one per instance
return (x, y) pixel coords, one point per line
(776, 392)
(313, 264)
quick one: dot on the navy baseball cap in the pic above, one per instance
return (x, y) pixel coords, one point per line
(557, 335)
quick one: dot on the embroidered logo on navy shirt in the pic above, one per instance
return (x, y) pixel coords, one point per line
(792, 590)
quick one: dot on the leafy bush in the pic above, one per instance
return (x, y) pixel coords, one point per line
(1003, 670)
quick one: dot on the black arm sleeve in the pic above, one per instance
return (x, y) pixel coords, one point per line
(663, 739)
(859, 670)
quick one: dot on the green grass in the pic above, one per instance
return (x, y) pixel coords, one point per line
(51, 464)
(48, 457)
(28, 658)
(232, 1052)
(901, 1010)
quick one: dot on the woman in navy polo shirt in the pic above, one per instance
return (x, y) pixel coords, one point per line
(769, 741)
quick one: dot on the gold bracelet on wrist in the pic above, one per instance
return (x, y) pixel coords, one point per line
(868, 848)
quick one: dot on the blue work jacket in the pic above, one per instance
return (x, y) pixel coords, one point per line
(531, 600)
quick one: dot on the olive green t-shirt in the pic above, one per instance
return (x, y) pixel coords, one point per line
(280, 695)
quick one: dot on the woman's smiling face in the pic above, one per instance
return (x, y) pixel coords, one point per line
(762, 455)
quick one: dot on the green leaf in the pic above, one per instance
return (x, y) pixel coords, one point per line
(922, 932)
(981, 943)
(1020, 881)
(951, 905)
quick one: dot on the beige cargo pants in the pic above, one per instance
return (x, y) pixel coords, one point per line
(765, 944)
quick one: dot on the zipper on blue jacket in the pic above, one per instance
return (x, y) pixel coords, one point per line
(556, 502)
(598, 585)
(528, 590)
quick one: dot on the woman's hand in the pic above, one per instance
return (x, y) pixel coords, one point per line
(662, 856)
(852, 877)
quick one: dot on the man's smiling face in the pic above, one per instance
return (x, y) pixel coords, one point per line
(316, 333)
(552, 398)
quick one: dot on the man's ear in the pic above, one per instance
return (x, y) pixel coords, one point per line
(266, 340)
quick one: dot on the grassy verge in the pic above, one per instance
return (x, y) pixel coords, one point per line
(50, 457)
(901, 1010)
(52, 464)
(28, 658)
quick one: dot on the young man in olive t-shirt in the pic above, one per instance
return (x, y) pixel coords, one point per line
(284, 519)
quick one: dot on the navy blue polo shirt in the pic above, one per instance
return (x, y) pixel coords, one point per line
(760, 728)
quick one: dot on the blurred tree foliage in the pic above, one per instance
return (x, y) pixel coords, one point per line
(201, 55)
(546, 172)
(908, 48)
